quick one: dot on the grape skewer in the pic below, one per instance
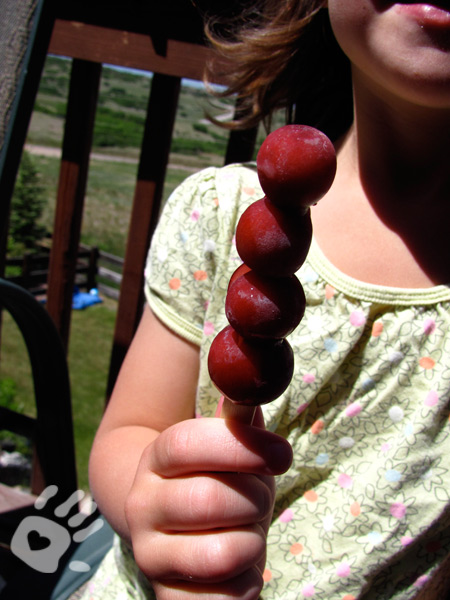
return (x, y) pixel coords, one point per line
(250, 361)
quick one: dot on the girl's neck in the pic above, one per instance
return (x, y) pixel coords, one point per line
(386, 218)
(399, 149)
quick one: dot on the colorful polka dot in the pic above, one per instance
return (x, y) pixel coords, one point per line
(329, 291)
(349, 597)
(343, 570)
(317, 427)
(353, 409)
(249, 191)
(432, 399)
(429, 326)
(208, 328)
(368, 384)
(296, 549)
(396, 357)
(345, 481)
(200, 275)
(302, 407)
(314, 323)
(396, 414)
(426, 362)
(162, 254)
(421, 580)
(355, 509)
(328, 522)
(267, 576)
(310, 276)
(346, 442)
(405, 540)
(330, 345)
(309, 378)
(175, 283)
(397, 510)
(408, 429)
(195, 214)
(209, 246)
(374, 537)
(357, 318)
(287, 516)
(322, 459)
(393, 475)
(311, 496)
(308, 590)
(377, 329)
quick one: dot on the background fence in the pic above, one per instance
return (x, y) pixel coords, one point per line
(94, 269)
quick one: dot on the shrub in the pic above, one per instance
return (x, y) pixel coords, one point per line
(26, 208)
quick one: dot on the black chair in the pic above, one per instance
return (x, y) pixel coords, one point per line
(51, 434)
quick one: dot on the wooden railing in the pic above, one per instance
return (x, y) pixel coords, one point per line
(147, 37)
(31, 271)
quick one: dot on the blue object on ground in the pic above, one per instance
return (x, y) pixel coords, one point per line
(82, 300)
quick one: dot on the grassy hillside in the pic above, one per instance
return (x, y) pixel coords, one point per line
(119, 125)
(121, 112)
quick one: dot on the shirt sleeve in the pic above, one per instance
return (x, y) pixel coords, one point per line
(180, 262)
(189, 257)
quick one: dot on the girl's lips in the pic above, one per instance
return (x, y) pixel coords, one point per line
(427, 15)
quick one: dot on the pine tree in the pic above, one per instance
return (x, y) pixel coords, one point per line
(26, 207)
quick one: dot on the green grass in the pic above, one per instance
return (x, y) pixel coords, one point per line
(108, 201)
(89, 354)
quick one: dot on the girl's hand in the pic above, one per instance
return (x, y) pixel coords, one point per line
(200, 507)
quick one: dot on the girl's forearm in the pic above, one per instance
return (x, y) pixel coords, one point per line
(114, 459)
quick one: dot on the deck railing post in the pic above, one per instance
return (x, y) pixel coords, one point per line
(83, 93)
(154, 157)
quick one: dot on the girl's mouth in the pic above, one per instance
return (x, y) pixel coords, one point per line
(427, 15)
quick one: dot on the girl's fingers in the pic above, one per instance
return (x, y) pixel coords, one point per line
(210, 501)
(209, 558)
(246, 586)
(201, 445)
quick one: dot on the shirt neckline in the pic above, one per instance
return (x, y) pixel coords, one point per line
(372, 292)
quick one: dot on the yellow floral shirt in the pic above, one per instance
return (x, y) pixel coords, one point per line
(364, 510)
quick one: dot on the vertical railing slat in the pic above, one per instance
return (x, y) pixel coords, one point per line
(154, 157)
(83, 94)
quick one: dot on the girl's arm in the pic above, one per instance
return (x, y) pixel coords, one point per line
(194, 497)
(155, 389)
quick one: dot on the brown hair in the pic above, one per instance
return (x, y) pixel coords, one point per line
(283, 55)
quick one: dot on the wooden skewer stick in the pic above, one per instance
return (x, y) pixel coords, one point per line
(236, 412)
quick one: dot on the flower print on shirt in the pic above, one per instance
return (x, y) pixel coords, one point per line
(295, 548)
(429, 475)
(356, 510)
(397, 510)
(344, 572)
(391, 475)
(327, 523)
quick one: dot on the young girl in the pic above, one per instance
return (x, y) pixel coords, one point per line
(341, 488)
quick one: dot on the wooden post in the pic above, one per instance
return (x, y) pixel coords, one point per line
(91, 279)
(146, 207)
(241, 143)
(83, 93)
(27, 267)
